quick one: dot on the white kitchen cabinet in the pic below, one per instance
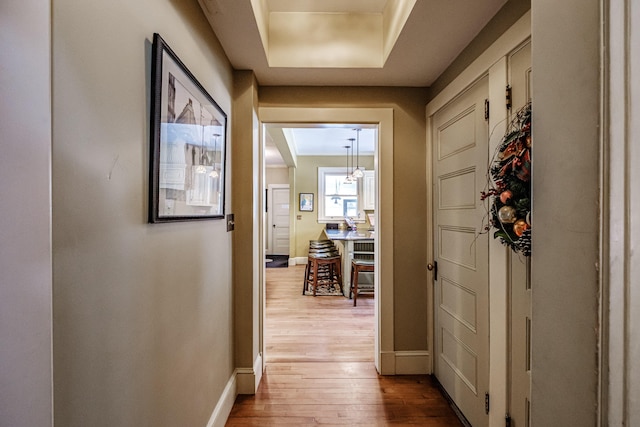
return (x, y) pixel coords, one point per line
(369, 188)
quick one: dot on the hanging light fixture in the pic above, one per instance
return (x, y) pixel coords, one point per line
(214, 172)
(349, 177)
(336, 198)
(358, 173)
(201, 168)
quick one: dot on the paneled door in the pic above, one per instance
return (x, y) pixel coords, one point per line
(280, 213)
(519, 326)
(461, 340)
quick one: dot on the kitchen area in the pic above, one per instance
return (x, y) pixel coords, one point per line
(326, 201)
(354, 244)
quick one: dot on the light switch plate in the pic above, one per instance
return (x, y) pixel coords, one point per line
(230, 222)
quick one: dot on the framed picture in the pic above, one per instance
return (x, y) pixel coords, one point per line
(306, 202)
(188, 143)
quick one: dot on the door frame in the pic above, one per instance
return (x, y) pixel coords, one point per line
(384, 352)
(493, 61)
(619, 305)
(269, 224)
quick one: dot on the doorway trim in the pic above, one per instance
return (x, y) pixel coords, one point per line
(384, 354)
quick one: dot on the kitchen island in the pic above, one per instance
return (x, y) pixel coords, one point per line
(353, 244)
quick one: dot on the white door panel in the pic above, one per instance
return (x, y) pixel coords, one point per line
(519, 325)
(460, 149)
(280, 213)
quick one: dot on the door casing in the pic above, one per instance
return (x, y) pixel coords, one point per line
(384, 353)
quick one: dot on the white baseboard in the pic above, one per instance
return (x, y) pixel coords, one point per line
(248, 379)
(257, 368)
(405, 363)
(225, 404)
(413, 362)
(243, 381)
(387, 363)
(301, 260)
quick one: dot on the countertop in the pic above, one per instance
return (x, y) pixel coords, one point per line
(349, 235)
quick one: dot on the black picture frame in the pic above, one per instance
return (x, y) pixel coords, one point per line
(188, 143)
(306, 202)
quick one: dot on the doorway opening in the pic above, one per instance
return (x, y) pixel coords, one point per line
(310, 194)
(384, 355)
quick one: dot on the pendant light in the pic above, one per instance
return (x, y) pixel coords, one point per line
(358, 173)
(335, 197)
(214, 172)
(349, 177)
(201, 168)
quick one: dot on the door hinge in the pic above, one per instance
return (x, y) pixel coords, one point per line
(486, 109)
(507, 421)
(508, 97)
(486, 403)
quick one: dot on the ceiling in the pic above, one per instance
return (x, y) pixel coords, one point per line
(428, 36)
(318, 140)
(435, 32)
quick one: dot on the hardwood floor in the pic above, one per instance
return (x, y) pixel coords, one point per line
(320, 371)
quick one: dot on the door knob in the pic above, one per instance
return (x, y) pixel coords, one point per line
(433, 267)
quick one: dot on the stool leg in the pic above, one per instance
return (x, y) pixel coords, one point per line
(315, 277)
(306, 278)
(351, 283)
(355, 286)
(332, 275)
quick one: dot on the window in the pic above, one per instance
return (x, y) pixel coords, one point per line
(338, 198)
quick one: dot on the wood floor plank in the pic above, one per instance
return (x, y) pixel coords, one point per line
(320, 371)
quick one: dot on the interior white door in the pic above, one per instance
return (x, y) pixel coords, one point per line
(519, 326)
(280, 212)
(460, 153)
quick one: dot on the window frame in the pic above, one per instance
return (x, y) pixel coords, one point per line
(322, 218)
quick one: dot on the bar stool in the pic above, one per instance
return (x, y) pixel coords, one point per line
(324, 270)
(358, 265)
(323, 266)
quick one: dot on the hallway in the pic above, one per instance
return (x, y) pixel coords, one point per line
(320, 371)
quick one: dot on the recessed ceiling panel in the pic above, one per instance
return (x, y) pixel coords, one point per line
(325, 40)
(329, 34)
(359, 6)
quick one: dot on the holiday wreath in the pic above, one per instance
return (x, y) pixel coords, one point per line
(509, 185)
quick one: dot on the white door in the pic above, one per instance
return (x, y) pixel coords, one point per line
(460, 153)
(519, 326)
(280, 221)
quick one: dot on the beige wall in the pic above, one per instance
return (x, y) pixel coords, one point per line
(276, 176)
(306, 179)
(25, 232)
(409, 181)
(142, 313)
(565, 288)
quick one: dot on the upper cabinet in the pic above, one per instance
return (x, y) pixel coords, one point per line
(369, 187)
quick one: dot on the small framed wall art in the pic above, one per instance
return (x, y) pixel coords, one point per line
(306, 202)
(188, 143)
